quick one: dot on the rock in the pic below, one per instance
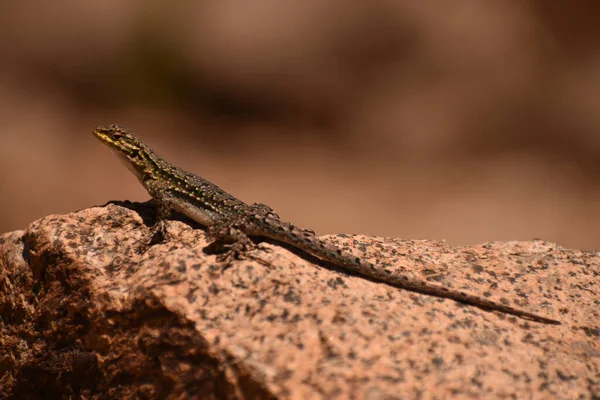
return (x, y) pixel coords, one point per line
(83, 315)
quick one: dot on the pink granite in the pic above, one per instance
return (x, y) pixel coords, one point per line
(84, 315)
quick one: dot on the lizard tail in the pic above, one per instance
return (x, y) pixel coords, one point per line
(307, 241)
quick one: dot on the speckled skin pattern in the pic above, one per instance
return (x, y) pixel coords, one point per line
(84, 315)
(230, 220)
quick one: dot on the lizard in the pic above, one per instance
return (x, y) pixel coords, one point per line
(232, 222)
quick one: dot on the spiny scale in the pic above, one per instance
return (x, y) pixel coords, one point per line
(229, 218)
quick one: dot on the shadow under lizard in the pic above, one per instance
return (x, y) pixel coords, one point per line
(231, 221)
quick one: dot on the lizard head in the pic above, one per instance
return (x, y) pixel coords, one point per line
(127, 146)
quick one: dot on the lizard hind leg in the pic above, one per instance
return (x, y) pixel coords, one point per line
(228, 241)
(263, 211)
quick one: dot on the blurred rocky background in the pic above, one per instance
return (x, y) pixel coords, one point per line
(469, 120)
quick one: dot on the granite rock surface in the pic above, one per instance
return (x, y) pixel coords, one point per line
(83, 314)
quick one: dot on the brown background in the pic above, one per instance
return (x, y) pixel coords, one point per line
(468, 120)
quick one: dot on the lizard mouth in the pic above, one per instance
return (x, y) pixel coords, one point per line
(106, 134)
(114, 137)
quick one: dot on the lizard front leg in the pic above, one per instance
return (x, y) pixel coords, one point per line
(158, 231)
